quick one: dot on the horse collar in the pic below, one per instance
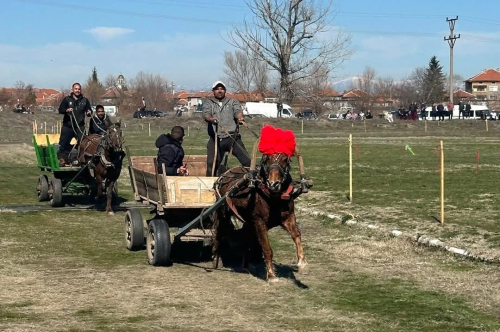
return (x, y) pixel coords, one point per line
(284, 195)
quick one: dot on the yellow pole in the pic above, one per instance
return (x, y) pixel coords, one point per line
(350, 167)
(302, 127)
(442, 183)
(149, 128)
(45, 127)
(486, 124)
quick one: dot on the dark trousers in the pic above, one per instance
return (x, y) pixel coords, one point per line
(67, 134)
(224, 145)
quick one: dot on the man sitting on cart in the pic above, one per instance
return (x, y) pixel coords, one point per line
(171, 153)
(99, 122)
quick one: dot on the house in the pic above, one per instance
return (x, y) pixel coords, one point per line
(460, 95)
(485, 85)
(46, 97)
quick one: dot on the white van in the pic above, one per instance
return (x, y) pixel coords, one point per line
(268, 110)
(476, 110)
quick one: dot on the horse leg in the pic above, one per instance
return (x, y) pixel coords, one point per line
(261, 231)
(290, 224)
(98, 180)
(109, 194)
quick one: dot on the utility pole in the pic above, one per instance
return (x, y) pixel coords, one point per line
(451, 39)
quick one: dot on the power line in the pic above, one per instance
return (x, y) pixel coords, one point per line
(124, 12)
(477, 38)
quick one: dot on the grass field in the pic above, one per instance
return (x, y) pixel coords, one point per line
(70, 271)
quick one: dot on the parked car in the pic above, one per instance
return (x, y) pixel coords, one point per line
(334, 116)
(307, 115)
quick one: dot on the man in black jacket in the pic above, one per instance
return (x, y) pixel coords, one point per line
(171, 153)
(74, 107)
(100, 122)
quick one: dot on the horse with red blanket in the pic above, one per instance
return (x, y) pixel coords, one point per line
(265, 202)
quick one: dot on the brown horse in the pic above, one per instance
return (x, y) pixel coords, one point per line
(104, 155)
(267, 202)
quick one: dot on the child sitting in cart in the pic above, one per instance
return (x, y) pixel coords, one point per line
(171, 153)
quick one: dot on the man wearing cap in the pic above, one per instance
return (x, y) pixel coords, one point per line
(223, 115)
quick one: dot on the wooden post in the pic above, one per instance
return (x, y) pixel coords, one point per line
(442, 183)
(149, 129)
(302, 127)
(486, 124)
(350, 168)
(45, 127)
(352, 123)
(364, 124)
(188, 131)
(425, 125)
(142, 126)
(36, 128)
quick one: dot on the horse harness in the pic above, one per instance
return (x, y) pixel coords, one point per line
(259, 182)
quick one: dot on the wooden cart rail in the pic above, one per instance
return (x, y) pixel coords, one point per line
(193, 191)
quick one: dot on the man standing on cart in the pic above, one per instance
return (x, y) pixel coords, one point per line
(74, 107)
(223, 115)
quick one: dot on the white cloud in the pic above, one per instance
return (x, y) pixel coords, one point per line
(192, 60)
(108, 33)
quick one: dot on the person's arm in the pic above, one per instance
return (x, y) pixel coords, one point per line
(88, 108)
(238, 112)
(207, 113)
(63, 107)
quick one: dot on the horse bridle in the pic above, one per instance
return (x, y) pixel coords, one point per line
(275, 165)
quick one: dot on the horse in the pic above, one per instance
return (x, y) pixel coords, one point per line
(104, 156)
(266, 202)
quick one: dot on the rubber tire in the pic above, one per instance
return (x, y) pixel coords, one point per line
(159, 231)
(57, 197)
(43, 188)
(134, 234)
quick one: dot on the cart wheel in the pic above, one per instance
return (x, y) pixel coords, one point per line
(134, 235)
(56, 197)
(158, 242)
(42, 188)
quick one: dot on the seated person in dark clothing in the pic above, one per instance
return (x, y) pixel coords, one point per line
(99, 122)
(171, 153)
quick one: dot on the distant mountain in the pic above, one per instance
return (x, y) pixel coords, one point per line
(345, 84)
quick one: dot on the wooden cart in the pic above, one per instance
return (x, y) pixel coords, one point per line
(182, 205)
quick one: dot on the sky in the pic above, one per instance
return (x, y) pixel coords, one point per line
(53, 43)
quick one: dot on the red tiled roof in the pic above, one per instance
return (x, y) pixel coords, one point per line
(487, 75)
(329, 93)
(355, 93)
(461, 94)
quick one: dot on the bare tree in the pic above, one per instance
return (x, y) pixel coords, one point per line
(109, 81)
(384, 87)
(6, 98)
(290, 36)
(153, 87)
(312, 88)
(366, 81)
(238, 70)
(260, 76)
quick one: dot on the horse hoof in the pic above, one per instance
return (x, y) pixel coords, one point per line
(273, 280)
(110, 213)
(303, 267)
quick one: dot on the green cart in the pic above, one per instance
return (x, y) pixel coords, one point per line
(57, 181)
